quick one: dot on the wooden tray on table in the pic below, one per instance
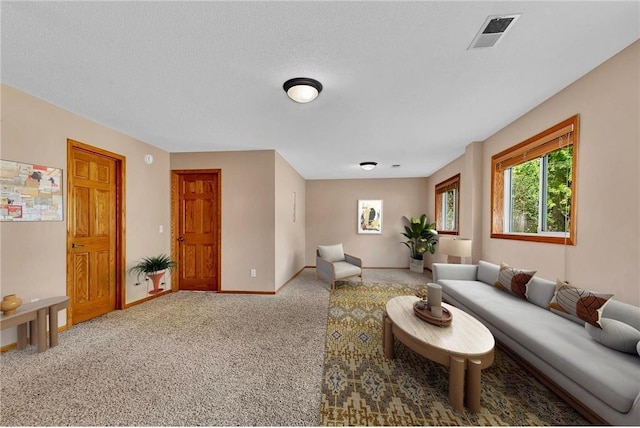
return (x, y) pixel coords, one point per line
(425, 315)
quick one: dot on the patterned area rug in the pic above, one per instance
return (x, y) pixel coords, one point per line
(361, 386)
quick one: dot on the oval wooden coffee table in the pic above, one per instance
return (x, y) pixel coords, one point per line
(466, 346)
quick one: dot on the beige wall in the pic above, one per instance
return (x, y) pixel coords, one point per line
(33, 255)
(289, 231)
(248, 214)
(607, 254)
(332, 217)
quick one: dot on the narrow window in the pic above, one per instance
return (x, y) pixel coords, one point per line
(533, 187)
(447, 203)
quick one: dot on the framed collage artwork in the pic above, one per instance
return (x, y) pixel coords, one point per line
(30, 192)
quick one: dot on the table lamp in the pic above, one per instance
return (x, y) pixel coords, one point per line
(455, 249)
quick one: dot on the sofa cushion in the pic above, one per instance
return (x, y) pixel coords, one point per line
(331, 253)
(514, 280)
(615, 334)
(345, 270)
(488, 272)
(584, 304)
(540, 291)
(609, 375)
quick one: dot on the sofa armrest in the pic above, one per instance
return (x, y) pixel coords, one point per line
(324, 268)
(353, 260)
(452, 271)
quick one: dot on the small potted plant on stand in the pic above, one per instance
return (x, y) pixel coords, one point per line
(421, 237)
(153, 268)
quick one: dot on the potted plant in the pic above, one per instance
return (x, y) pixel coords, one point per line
(153, 268)
(421, 237)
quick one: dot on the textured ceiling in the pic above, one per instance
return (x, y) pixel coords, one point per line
(400, 86)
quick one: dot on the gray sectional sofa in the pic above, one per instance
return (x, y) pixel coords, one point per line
(604, 382)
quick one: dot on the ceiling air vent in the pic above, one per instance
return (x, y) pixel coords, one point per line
(492, 30)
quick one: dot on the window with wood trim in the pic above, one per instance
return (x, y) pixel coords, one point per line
(533, 187)
(447, 203)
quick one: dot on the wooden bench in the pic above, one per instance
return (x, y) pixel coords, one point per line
(35, 313)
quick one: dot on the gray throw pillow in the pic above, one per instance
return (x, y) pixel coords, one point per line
(540, 292)
(628, 314)
(487, 272)
(615, 335)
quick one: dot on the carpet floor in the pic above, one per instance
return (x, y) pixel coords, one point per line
(186, 358)
(362, 387)
(205, 359)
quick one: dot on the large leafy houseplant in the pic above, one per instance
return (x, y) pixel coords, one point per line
(421, 236)
(153, 268)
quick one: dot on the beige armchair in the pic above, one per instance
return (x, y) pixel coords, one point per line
(333, 264)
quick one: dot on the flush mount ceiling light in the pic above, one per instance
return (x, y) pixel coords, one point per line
(368, 166)
(302, 89)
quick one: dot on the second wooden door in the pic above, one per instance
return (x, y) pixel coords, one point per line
(196, 218)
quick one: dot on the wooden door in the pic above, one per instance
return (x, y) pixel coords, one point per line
(196, 229)
(93, 267)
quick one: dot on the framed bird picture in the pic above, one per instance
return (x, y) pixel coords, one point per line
(370, 216)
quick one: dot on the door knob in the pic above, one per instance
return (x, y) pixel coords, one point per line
(76, 245)
(181, 239)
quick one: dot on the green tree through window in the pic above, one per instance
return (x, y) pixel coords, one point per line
(533, 187)
(558, 201)
(450, 211)
(528, 189)
(524, 193)
(447, 205)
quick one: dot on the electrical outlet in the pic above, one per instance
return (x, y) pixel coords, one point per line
(253, 273)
